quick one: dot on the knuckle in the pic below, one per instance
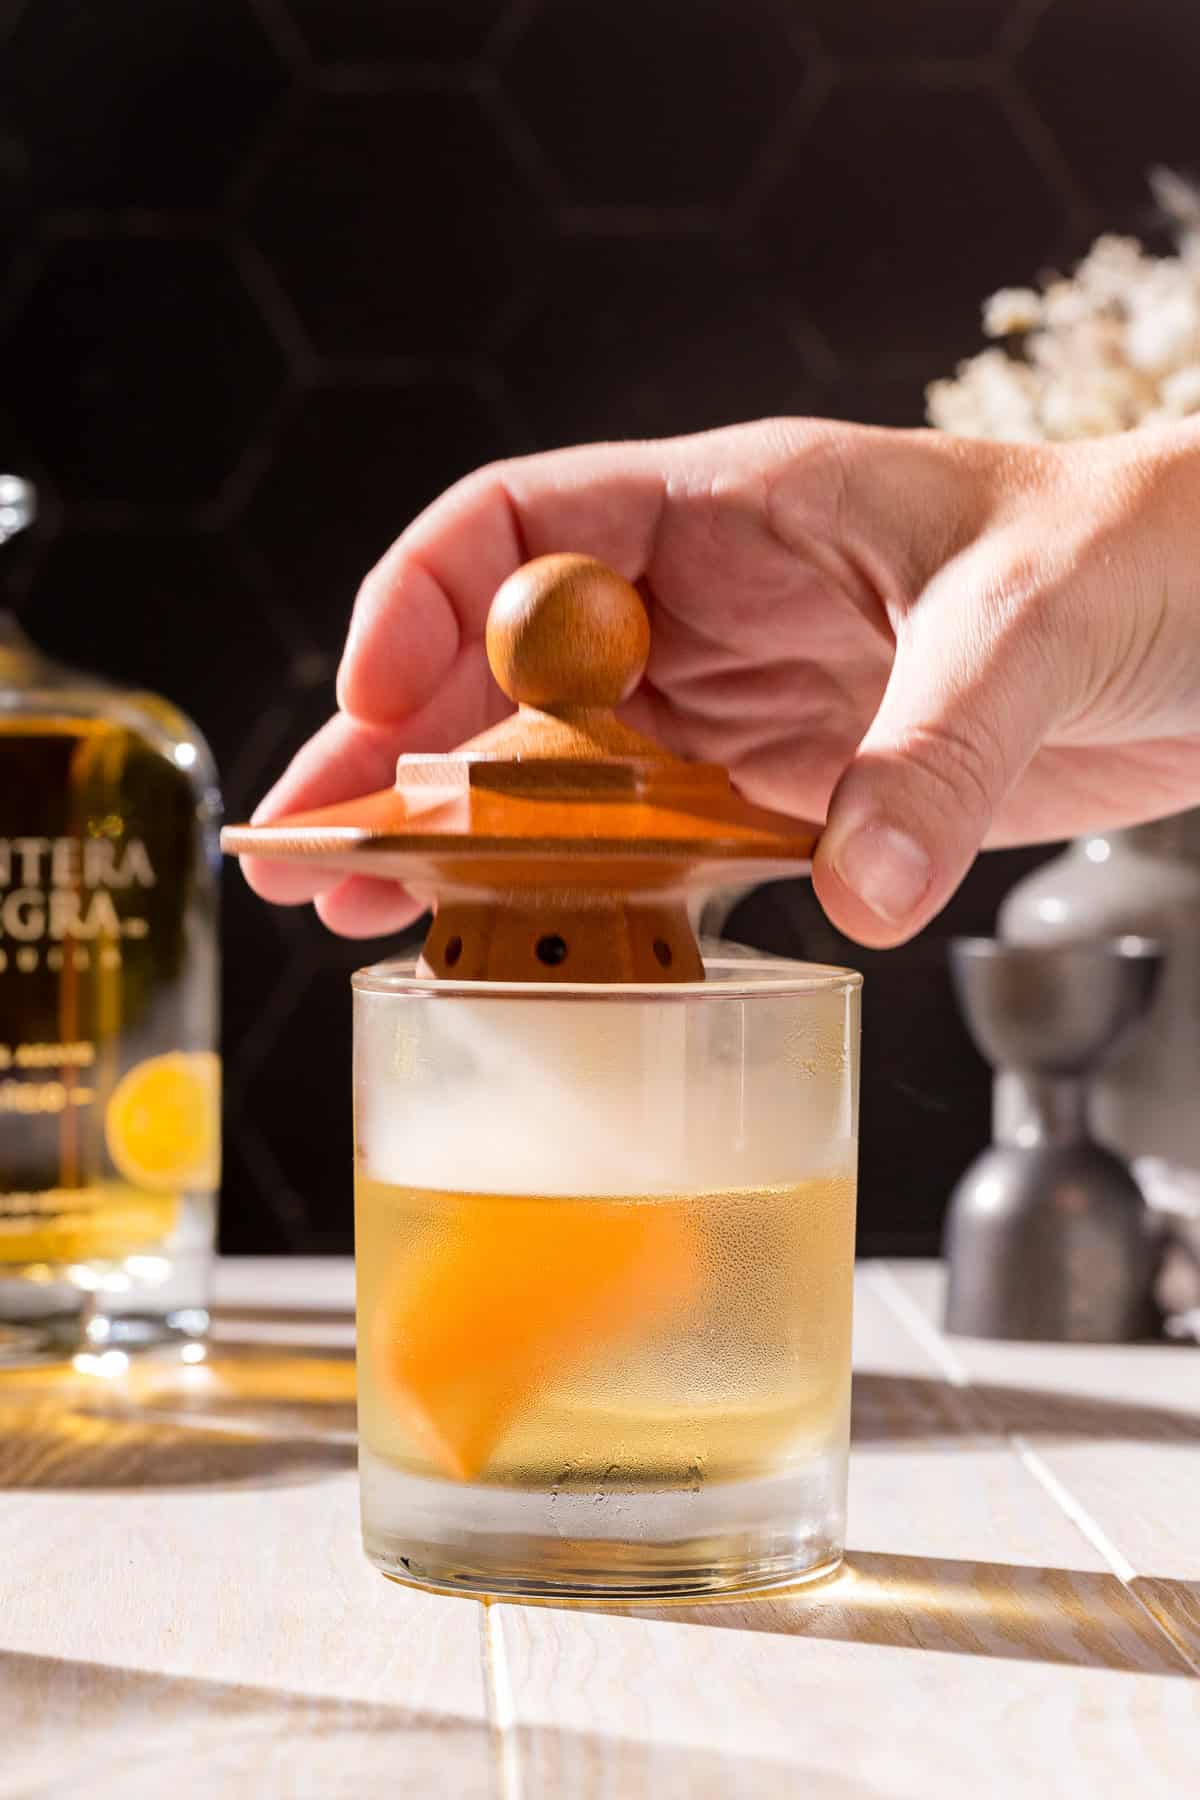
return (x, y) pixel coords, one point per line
(812, 478)
(968, 766)
(1030, 628)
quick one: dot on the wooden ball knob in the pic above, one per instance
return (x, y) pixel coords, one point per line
(567, 631)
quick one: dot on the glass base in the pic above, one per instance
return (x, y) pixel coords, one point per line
(716, 1581)
(57, 1341)
(51, 1312)
(730, 1538)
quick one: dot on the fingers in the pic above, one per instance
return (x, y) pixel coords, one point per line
(428, 598)
(340, 760)
(974, 691)
(346, 759)
(361, 906)
(428, 594)
(414, 676)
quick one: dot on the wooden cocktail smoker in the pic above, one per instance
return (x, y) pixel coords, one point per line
(559, 846)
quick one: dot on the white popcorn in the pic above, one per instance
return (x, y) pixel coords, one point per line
(993, 396)
(1114, 346)
(1065, 306)
(1181, 393)
(1012, 310)
(1110, 269)
(1163, 332)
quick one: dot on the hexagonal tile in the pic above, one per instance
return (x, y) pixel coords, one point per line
(355, 217)
(251, 1220)
(138, 368)
(1119, 88)
(642, 105)
(884, 396)
(258, 1204)
(298, 1100)
(352, 466)
(651, 336)
(273, 734)
(905, 206)
(363, 31)
(17, 225)
(258, 944)
(879, 30)
(164, 598)
(132, 105)
(296, 712)
(300, 1103)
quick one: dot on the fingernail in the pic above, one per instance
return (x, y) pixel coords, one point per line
(888, 870)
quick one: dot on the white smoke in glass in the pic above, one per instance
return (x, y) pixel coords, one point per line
(587, 1097)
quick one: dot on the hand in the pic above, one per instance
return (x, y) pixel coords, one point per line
(933, 643)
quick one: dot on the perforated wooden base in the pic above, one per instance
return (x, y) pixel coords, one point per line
(547, 937)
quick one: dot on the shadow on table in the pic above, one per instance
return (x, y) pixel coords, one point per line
(904, 1409)
(126, 1724)
(288, 1330)
(251, 1415)
(65, 1721)
(1006, 1610)
(283, 1315)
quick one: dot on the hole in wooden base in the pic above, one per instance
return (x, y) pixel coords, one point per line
(551, 950)
(452, 952)
(663, 952)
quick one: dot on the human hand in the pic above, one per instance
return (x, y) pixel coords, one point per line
(934, 643)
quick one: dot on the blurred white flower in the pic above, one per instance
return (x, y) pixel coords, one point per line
(1114, 346)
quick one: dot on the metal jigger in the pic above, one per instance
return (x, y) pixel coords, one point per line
(1048, 1236)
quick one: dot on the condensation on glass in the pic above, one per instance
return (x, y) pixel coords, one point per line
(605, 1244)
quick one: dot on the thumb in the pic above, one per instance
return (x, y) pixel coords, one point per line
(970, 699)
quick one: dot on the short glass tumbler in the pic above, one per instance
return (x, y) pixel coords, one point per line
(605, 1244)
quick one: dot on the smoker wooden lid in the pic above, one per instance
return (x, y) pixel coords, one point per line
(562, 797)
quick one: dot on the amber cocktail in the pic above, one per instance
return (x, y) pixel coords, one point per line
(605, 1187)
(605, 1247)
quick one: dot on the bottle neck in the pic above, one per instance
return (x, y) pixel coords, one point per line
(21, 664)
(12, 637)
(16, 506)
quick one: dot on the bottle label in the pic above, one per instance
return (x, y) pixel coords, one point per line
(109, 1110)
(59, 888)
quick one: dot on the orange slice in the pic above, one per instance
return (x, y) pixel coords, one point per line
(163, 1122)
(515, 1292)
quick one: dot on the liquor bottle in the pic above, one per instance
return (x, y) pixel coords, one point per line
(109, 1074)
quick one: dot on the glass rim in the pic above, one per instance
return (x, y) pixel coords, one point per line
(743, 976)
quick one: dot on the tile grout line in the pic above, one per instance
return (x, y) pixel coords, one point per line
(907, 1313)
(1098, 1538)
(497, 1683)
(1082, 1520)
(926, 1335)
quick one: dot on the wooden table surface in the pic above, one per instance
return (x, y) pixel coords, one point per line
(185, 1609)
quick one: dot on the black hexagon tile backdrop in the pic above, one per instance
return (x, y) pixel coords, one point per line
(275, 272)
